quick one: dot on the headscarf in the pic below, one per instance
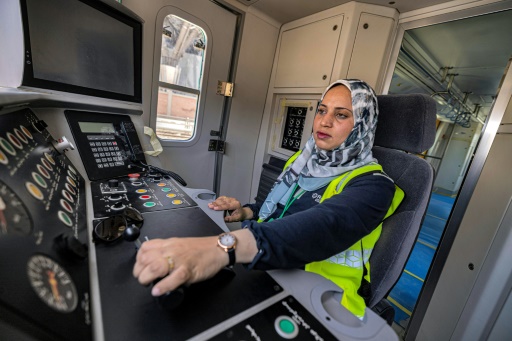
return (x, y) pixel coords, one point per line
(314, 167)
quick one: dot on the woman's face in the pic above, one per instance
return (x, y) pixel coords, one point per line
(334, 119)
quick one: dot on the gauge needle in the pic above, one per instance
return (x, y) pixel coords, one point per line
(53, 283)
(3, 221)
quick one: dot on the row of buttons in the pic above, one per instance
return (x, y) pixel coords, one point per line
(108, 154)
(103, 144)
(68, 193)
(147, 197)
(150, 204)
(16, 139)
(22, 136)
(106, 149)
(109, 164)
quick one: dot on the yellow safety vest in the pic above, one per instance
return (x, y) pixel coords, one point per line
(346, 268)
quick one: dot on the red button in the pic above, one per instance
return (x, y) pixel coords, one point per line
(145, 197)
(134, 176)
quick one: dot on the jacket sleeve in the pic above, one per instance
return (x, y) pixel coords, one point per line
(325, 229)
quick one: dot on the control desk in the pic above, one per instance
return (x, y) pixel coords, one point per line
(60, 283)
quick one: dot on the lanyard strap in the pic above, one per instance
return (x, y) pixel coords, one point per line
(291, 199)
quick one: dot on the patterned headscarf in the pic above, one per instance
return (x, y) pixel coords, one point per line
(315, 167)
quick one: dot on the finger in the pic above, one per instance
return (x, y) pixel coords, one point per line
(158, 268)
(149, 252)
(152, 245)
(171, 282)
(232, 218)
(217, 204)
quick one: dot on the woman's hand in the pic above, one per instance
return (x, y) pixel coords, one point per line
(178, 261)
(232, 205)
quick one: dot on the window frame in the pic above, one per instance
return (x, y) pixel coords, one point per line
(156, 83)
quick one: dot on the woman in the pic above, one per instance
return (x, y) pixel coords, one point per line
(324, 209)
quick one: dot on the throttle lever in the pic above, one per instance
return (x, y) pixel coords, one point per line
(170, 300)
(131, 234)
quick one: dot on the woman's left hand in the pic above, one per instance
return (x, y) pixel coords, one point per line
(177, 261)
(233, 206)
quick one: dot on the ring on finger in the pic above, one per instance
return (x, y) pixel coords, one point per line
(170, 262)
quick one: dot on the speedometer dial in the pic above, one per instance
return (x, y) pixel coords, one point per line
(52, 284)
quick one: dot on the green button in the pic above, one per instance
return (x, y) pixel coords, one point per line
(39, 180)
(7, 146)
(149, 204)
(65, 218)
(286, 326)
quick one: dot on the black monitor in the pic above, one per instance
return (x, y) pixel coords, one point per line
(82, 46)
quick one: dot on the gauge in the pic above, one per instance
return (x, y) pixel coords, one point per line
(14, 216)
(52, 284)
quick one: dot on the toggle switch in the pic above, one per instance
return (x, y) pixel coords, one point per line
(62, 145)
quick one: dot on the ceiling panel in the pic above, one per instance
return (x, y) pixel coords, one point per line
(285, 11)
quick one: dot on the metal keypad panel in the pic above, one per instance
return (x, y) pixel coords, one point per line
(292, 134)
(106, 151)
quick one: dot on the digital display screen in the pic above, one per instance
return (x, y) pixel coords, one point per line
(82, 46)
(96, 127)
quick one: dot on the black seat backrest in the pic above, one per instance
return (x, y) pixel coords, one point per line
(268, 177)
(407, 124)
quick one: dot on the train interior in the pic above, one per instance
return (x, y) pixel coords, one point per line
(109, 104)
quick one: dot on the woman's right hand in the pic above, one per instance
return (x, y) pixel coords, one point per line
(235, 210)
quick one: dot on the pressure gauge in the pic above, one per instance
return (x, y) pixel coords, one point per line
(14, 216)
(52, 284)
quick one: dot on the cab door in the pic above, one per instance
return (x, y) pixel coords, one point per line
(193, 49)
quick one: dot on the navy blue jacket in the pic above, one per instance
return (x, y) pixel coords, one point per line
(310, 231)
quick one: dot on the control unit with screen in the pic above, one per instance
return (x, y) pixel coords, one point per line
(108, 144)
(97, 51)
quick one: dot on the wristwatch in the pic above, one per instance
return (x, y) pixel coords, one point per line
(227, 242)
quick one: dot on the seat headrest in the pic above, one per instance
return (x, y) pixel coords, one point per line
(406, 122)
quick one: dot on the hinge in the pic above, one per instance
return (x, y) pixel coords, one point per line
(216, 146)
(225, 88)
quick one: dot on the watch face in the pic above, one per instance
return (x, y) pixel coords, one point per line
(227, 240)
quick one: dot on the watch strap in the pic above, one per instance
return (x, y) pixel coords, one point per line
(232, 257)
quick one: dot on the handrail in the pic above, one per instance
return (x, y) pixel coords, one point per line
(460, 117)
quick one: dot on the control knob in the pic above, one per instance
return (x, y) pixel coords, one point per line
(39, 126)
(69, 246)
(113, 183)
(118, 206)
(133, 176)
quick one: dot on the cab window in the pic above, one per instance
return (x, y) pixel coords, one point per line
(180, 78)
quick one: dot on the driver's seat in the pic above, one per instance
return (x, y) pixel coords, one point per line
(406, 126)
